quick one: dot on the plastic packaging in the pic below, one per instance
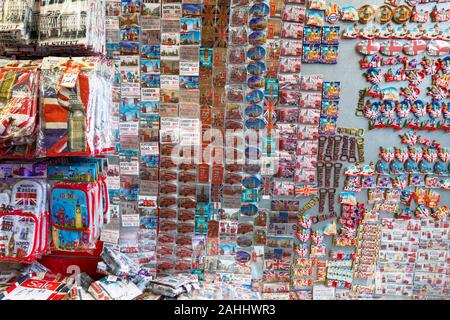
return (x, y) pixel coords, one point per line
(16, 21)
(23, 213)
(78, 24)
(19, 105)
(74, 107)
(78, 205)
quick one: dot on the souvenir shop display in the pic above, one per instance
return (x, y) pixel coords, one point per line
(47, 206)
(53, 107)
(225, 149)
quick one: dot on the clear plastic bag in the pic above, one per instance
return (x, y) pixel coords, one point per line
(16, 21)
(23, 213)
(18, 108)
(66, 23)
(75, 107)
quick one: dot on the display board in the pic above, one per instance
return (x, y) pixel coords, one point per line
(349, 73)
(255, 67)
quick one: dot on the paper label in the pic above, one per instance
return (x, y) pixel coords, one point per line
(70, 77)
(129, 168)
(130, 220)
(324, 293)
(129, 128)
(110, 236)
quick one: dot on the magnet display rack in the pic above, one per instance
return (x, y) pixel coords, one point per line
(214, 230)
(350, 86)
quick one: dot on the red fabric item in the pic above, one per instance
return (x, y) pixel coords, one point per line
(61, 262)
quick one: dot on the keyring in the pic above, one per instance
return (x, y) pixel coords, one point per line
(337, 171)
(322, 140)
(320, 167)
(352, 150)
(329, 149)
(328, 168)
(344, 152)
(322, 194)
(360, 147)
(331, 193)
(337, 145)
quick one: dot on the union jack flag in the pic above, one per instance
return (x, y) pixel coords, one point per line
(305, 191)
(277, 264)
(26, 199)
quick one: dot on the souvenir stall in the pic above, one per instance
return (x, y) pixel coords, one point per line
(225, 149)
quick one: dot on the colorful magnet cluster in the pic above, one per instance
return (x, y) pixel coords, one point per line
(396, 106)
(213, 75)
(306, 138)
(400, 15)
(330, 107)
(396, 185)
(321, 43)
(412, 258)
(297, 131)
(423, 168)
(404, 108)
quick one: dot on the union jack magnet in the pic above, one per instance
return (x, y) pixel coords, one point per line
(391, 48)
(367, 47)
(415, 47)
(438, 48)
